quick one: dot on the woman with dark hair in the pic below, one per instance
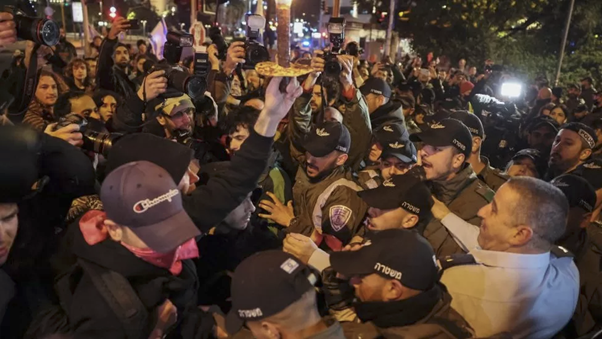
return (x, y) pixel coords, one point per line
(560, 113)
(40, 112)
(76, 76)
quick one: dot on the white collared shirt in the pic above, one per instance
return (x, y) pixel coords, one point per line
(529, 295)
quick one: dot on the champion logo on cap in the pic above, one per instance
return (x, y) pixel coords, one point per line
(592, 165)
(249, 314)
(386, 270)
(396, 145)
(459, 144)
(588, 138)
(321, 132)
(437, 126)
(289, 266)
(410, 207)
(388, 128)
(388, 183)
(143, 205)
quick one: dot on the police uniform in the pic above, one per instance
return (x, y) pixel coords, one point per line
(469, 198)
(493, 177)
(328, 210)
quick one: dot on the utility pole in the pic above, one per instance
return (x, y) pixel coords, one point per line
(387, 48)
(86, 29)
(193, 8)
(63, 16)
(564, 38)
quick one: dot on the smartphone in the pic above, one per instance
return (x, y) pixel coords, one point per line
(134, 24)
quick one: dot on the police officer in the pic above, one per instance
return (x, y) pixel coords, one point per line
(326, 205)
(395, 277)
(402, 202)
(382, 110)
(493, 177)
(527, 162)
(572, 147)
(447, 148)
(273, 295)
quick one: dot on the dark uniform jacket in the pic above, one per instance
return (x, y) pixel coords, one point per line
(355, 118)
(440, 322)
(493, 177)
(464, 195)
(110, 76)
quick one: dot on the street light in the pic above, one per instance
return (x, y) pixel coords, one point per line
(113, 11)
(143, 27)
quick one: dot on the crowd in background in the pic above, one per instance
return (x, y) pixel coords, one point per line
(385, 199)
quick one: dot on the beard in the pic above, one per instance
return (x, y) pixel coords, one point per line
(560, 166)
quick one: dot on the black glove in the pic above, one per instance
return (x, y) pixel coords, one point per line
(339, 294)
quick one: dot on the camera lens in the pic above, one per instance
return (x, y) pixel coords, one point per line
(40, 31)
(257, 54)
(195, 87)
(332, 68)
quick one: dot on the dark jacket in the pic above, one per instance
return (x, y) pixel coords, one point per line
(89, 314)
(587, 94)
(209, 204)
(464, 195)
(110, 76)
(389, 113)
(427, 315)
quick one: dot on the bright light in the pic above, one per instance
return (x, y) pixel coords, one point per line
(112, 15)
(173, 9)
(512, 89)
(305, 43)
(112, 10)
(284, 2)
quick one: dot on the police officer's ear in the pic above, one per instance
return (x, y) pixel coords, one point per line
(393, 290)
(342, 159)
(270, 330)
(476, 144)
(584, 155)
(523, 234)
(458, 160)
(409, 221)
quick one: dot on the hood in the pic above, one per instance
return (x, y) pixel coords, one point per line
(391, 111)
(448, 190)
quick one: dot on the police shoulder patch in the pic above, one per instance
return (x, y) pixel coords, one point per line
(339, 217)
(486, 193)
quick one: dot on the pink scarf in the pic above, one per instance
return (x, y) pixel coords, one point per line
(94, 231)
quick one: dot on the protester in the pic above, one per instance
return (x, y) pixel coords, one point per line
(536, 285)
(76, 74)
(541, 133)
(92, 64)
(40, 112)
(113, 63)
(106, 103)
(574, 100)
(444, 155)
(588, 91)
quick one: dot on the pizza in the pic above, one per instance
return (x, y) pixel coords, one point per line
(272, 69)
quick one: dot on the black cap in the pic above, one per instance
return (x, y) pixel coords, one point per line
(587, 134)
(327, 137)
(394, 254)
(376, 86)
(543, 121)
(404, 191)
(265, 284)
(447, 132)
(557, 91)
(407, 101)
(171, 156)
(531, 153)
(577, 190)
(403, 150)
(390, 133)
(474, 124)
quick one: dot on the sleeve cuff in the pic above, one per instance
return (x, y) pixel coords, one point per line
(319, 260)
(349, 94)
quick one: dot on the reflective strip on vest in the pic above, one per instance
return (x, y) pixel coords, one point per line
(323, 198)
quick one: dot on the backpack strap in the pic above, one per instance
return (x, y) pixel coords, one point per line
(117, 292)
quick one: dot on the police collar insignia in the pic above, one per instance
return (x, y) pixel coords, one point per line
(560, 183)
(437, 126)
(388, 128)
(321, 132)
(592, 165)
(289, 266)
(388, 183)
(396, 145)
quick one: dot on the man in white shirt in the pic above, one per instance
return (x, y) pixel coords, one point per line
(513, 278)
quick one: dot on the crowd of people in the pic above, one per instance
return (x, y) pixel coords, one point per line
(388, 200)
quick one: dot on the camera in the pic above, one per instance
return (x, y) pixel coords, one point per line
(41, 31)
(200, 148)
(254, 51)
(97, 142)
(353, 49)
(178, 80)
(336, 34)
(215, 34)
